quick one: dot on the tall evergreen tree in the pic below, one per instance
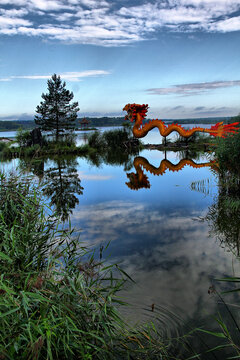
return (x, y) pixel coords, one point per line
(56, 114)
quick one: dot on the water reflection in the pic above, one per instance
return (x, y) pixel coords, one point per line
(139, 180)
(224, 216)
(60, 182)
(169, 256)
(34, 166)
(61, 185)
(113, 157)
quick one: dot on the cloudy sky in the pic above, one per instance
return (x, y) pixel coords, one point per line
(182, 57)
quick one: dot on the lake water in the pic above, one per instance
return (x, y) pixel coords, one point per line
(157, 233)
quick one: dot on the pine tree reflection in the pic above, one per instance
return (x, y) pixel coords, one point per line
(60, 182)
(62, 185)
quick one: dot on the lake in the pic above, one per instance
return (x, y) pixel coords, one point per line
(156, 225)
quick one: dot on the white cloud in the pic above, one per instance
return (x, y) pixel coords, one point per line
(193, 89)
(48, 5)
(6, 22)
(62, 17)
(13, 2)
(227, 25)
(109, 23)
(69, 76)
(14, 12)
(94, 3)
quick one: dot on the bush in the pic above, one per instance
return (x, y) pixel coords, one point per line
(23, 137)
(70, 138)
(95, 140)
(227, 153)
(115, 138)
(65, 143)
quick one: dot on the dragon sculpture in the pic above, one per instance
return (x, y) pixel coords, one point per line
(139, 180)
(137, 113)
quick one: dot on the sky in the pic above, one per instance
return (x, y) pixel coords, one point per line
(181, 57)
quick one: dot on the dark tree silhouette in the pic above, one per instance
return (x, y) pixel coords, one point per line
(56, 113)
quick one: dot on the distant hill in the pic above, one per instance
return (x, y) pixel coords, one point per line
(103, 121)
(14, 125)
(111, 121)
(210, 120)
(117, 121)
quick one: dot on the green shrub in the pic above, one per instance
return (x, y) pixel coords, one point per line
(228, 151)
(70, 139)
(115, 138)
(95, 140)
(112, 140)
(65, 144)
(23, 137)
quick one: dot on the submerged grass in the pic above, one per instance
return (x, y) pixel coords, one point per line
(57, 299)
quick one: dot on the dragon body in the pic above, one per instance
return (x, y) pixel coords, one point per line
(137, 113)
(139, 180)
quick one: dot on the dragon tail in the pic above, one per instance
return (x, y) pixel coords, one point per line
(223, 130)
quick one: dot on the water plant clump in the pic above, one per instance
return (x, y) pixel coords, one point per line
(58, 300)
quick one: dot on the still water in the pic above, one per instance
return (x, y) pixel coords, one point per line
(155, 225)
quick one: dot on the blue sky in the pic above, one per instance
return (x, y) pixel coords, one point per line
(182, 57)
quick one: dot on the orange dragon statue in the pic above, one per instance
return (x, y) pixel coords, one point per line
(139, 180)
(137, 113)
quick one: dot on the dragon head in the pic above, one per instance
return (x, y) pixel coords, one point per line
(138, 180)
(134, 109)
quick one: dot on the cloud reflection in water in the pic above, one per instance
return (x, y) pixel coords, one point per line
(170, 256)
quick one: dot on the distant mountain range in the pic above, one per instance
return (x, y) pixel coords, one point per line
(9, 125)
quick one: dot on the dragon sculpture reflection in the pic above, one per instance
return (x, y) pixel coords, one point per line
(137, 113)
(139, 180)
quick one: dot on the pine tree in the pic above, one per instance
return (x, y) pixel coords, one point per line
(56, 114)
